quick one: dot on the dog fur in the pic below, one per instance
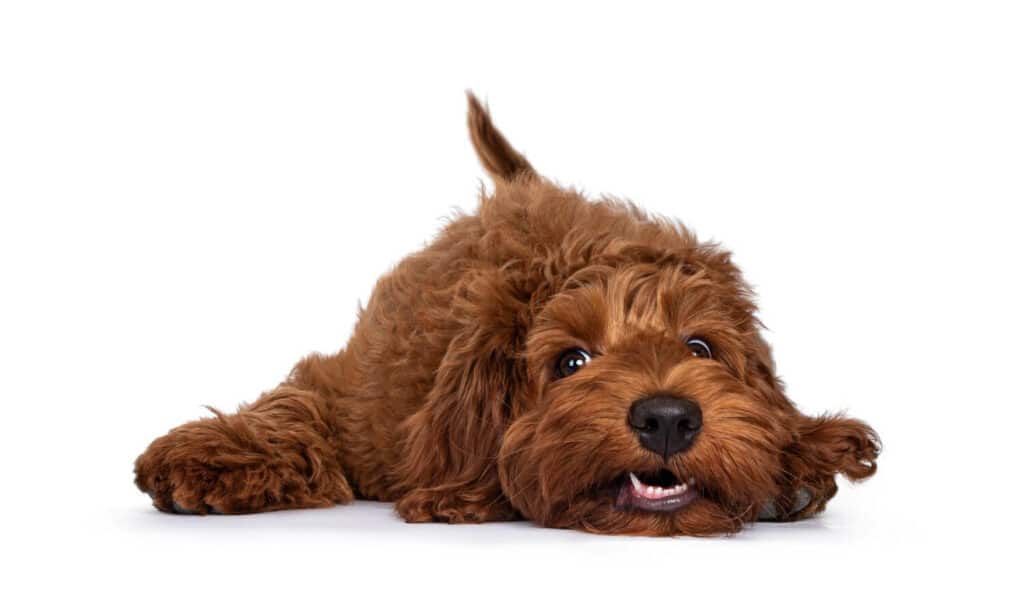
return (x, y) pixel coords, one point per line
(446, 399)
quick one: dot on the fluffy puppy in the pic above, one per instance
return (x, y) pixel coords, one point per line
(577, 363)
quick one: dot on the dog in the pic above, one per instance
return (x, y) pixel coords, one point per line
(577, 363)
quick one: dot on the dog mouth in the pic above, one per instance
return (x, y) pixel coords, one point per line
(660, 491)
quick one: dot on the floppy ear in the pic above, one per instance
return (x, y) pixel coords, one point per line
(817, 449)
(450, 445)
(499, 158)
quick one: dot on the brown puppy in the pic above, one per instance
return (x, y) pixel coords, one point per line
(577, 363)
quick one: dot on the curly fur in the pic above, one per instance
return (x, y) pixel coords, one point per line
(445, 402)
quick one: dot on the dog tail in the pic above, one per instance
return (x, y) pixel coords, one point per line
(499, 158)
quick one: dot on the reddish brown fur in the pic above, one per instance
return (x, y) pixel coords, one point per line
(444, 400)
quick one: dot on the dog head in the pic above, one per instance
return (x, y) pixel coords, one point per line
(650, 406)
(634, 392)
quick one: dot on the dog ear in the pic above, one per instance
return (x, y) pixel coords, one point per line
(451, 442)
(817, 449)
(499, 158)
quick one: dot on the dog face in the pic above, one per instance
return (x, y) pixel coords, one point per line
(644, 399)
(647, 408)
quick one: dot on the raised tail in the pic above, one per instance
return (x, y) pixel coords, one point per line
(498, 157)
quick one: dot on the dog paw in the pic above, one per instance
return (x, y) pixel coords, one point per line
(204, 467)
(179, 485)
(435, 505)
(177, 507)
(177, 474)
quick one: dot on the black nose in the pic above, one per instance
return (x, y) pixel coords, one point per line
(664, 424)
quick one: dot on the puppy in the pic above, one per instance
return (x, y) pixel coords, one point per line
(577, 363)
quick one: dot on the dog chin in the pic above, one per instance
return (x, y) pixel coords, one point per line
(655, 502)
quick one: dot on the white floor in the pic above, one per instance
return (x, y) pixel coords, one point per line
(132, 553)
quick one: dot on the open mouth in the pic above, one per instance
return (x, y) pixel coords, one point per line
(657, 491)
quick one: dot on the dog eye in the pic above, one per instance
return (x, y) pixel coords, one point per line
(571, 361)
(699, 348)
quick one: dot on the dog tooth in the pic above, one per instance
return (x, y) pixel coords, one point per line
(637, 484)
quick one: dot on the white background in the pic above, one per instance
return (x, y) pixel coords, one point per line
(196, 194)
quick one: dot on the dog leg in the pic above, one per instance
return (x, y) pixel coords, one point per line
(276, 453)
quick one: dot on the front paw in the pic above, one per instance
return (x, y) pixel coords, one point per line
(823, 448)
(175, 471)
(442, 505)
(241, 464)
(220, 465)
